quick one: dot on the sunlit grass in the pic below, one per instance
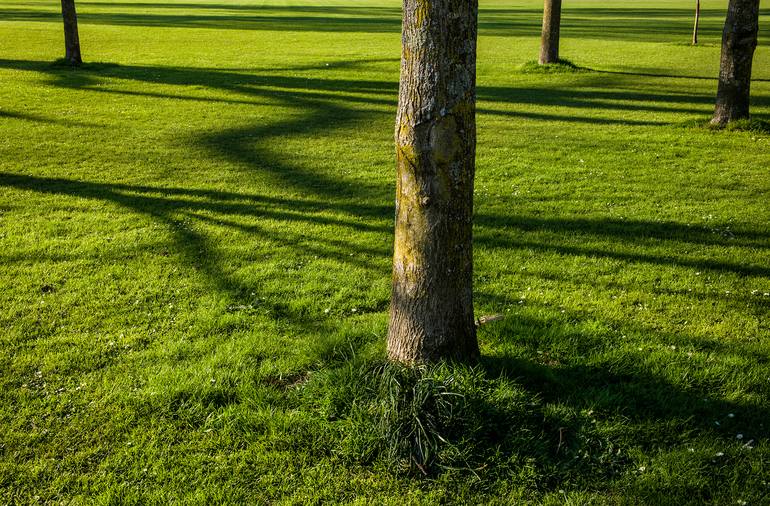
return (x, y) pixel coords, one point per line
(195, 240)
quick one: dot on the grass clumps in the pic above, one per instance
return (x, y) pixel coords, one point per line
(750, 125)
(452, 419)
(561, 67)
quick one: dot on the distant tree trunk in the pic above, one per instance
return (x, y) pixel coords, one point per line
(697, 20)
(549, 42)
(431, 311)
(739, 39)
(71, 39)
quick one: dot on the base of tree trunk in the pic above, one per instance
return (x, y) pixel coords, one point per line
(73, 61)
(739, 39)
(549, 41)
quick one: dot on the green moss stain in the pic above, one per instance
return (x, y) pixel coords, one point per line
(445, 143)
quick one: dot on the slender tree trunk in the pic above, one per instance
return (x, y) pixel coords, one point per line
(739, 39)
(431, 312)
(549, 42)
(71, 39)
(697, 20)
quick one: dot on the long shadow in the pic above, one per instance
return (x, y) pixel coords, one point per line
(325, 104)
(36, 118)
(623, 229)
(498, 242)
(636, 396)
(557, 327)
(494, 232)
(326, 97)
(665, 74)
(651, 24)
(633, 393)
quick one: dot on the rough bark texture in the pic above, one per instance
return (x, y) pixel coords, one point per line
(739, 39)
(71, 39)
(431, 312)
(549, 42)
(697, 21)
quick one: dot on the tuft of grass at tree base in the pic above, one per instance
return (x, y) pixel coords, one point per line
(560, 67)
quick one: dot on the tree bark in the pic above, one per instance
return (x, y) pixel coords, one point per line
(549, 41)
(71, 39)
(431, 311)
(697, 21)
(739, 39)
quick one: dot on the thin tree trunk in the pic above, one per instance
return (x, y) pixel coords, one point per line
(431, 312)
(739, 39)
(71, 39)
(549, 42)
(697, 20)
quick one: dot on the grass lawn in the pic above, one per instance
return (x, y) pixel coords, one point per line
(195, 240)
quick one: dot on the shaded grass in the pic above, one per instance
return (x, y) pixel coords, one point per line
(195, 238)
(752, 125)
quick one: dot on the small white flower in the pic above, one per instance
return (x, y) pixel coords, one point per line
(327, 310)
(731, 415)
(739, 436)
(354, 310)
(720, 454)
(642, 469)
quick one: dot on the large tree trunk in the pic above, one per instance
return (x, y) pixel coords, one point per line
(697, 21)
(549, 42)
(71, 39)
(739, 39)
(431, 312)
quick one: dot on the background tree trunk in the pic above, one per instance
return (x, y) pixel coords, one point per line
(71, 39)
(739, 39)
(431, 312)
(697, 20)
(549, 42)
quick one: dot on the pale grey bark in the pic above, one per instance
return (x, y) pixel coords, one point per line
(431, 312)
(697, 21)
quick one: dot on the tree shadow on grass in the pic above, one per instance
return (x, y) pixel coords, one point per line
(328, 101)
(644, 401)
(624, 391)
(649, 24)
(324, 104)
(37, 118)
(577, 426)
